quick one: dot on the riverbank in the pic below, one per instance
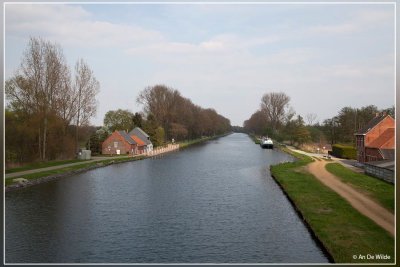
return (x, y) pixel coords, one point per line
(188, 143)
(37, 177)
(346, 235)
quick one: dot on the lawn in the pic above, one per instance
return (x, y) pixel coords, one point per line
(379, 190)
(343, 231)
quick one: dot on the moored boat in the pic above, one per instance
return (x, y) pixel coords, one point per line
(267, 143)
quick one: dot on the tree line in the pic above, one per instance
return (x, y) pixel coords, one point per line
(48, 104)
(49, 107)
(341, 128)
(277, 119)
(166, 115)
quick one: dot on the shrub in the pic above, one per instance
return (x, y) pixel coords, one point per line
(345, 152)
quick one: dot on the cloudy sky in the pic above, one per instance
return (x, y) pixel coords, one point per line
(324, 56)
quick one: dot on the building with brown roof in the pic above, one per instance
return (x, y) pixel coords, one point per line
(121, 142)
(376, 140)
(144, 137)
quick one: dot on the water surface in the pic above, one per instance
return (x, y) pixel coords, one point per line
(210, 203)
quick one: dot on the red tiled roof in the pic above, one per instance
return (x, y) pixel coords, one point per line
(138, 140)
(385, 140)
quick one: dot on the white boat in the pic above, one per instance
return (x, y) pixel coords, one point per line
(267, 143)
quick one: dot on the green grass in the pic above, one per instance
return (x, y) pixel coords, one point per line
(343, 231)
(381, 191)
(38, 175)
(38, 165)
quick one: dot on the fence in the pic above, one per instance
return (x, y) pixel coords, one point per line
(160, 150)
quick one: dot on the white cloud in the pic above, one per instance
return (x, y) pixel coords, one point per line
(226, 70)
(70, 24)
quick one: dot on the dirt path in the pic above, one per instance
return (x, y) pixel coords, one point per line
(360, 202)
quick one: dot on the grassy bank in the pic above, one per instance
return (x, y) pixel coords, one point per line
(74, 168)
(379, 190)
(85, 164)
(254, 138)
(188, 143)
(38, 165)
(342, 230)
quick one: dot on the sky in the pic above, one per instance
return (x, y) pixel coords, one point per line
(221, 56)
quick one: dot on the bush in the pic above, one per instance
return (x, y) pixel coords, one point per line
(344, 152)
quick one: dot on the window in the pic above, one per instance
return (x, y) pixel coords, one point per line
(115, 144)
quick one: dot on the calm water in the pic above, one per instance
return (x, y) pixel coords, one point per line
(214, 202)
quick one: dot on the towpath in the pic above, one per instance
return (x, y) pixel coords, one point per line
(361, 202)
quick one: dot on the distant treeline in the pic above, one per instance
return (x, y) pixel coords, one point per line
(277, 119)
(49, 107)
(166, 115)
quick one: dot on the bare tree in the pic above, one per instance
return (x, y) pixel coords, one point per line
(174, 112)
(311, 118)
(38, 83)
(275, 106)
(41, 89)
(86, 88)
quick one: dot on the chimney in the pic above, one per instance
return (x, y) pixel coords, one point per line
(377, 114)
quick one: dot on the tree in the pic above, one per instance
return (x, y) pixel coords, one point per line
(138, 120)
(86, 88)
(257, 123)
(178, 115)
(159, 136)
(178, 131)
(121, 119)
(38, 86)
(150, 126)
(301, 134)
(96, 139)
(390, 111)
(311, 118)
(275, 106)
(41, 92)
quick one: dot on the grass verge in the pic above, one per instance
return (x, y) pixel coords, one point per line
(38, 165)
(344, 232)
(255, 139)
(381, 191)
(67, 170)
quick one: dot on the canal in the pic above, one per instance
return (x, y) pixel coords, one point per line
(210, 203)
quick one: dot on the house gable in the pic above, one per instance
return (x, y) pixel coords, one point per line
(141, 134)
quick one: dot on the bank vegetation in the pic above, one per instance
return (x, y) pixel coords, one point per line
(343, 231)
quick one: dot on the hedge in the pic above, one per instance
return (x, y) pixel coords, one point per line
(344, 152)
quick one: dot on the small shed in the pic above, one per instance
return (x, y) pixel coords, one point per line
(382, 169)
(84, 154)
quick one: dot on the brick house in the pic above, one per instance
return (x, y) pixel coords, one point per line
(120, 143)
(144, 137)
(141, 145)
(376, 140)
